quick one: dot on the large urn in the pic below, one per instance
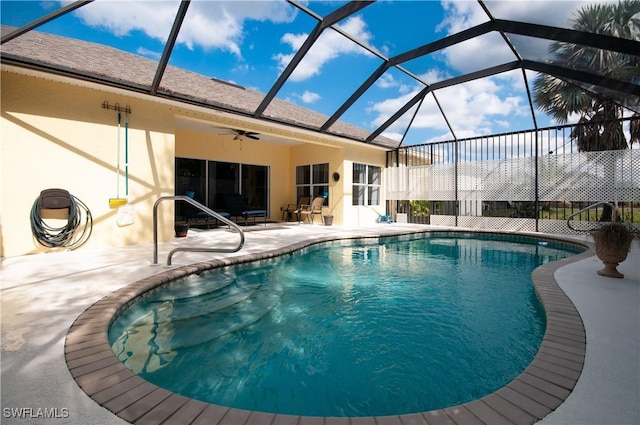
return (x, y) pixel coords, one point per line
(613, 242)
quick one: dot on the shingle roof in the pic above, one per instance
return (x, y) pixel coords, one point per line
(109, 65)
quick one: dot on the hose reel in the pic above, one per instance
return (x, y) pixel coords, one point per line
(59, 204)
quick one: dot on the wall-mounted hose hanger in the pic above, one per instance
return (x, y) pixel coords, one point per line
(58, 205)
(126, 211)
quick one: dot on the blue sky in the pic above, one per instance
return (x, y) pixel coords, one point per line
(249, 43)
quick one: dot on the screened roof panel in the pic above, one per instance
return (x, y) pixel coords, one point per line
(224, 41)
(89, 23)
(332, 69)
(581, 58)
(562, 14)
(385, 96)
(455, 60)
(417, 20)
(551, 13)
(503, 101)
(427, 125)
(355, 69)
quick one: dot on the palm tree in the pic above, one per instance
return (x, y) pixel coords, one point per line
(599, 128)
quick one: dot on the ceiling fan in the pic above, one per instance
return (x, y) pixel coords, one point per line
(248, 134)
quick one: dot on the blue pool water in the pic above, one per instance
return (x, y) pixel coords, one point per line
(364, 330)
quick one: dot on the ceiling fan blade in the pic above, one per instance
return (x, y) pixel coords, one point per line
(249, 134)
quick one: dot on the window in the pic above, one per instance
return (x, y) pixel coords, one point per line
(312, 181)
(366, 184)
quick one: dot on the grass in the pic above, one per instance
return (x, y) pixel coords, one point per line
(591, 215)
(560, 214)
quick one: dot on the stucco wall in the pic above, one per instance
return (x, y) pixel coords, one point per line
(55, 134)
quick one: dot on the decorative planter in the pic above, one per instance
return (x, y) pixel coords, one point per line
(181, 230)
(328, 220)
(613, 242)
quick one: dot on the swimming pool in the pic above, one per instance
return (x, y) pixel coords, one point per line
(356, 292)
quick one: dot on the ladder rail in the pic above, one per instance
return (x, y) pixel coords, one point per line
(613, 208)
(192, 249)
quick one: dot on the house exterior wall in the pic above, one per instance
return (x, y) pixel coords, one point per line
(55, 134)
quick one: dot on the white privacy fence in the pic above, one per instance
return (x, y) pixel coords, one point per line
(523, 187)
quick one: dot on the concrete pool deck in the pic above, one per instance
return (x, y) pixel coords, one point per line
(42, 295)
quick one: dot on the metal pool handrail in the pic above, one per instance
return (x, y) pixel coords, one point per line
(586, 209)
(191, 249)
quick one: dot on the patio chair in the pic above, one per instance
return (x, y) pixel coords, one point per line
(303, 201)
(310, 211)
(236, 207)
(194, 214)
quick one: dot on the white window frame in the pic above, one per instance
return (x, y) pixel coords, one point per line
(367, 185)
(314, 187)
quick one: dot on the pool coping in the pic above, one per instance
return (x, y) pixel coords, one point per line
(536, 392)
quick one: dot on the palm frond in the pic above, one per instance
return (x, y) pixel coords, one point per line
(634, 129)
(598, 128)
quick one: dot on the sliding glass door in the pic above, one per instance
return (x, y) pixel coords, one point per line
(208, 181)
(255, 186)
(224, 178)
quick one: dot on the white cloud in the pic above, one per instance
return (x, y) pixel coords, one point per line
(547, 12)
(309, 97)
(461, 15)
(120, 18)
(386, 81)
(387, 107)
(142, 51)
(208, 24)
(330, 45)
(472, 108)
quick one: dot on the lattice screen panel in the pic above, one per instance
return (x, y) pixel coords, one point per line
(586, 176)
(567, 180)
(498, 180)
(443, 220)
(425, 182)
(441, 184)
(501, 223)
(589, 176)
(560, 227)
(397, 183)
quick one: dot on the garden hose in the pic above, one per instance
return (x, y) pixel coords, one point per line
(64, 236)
